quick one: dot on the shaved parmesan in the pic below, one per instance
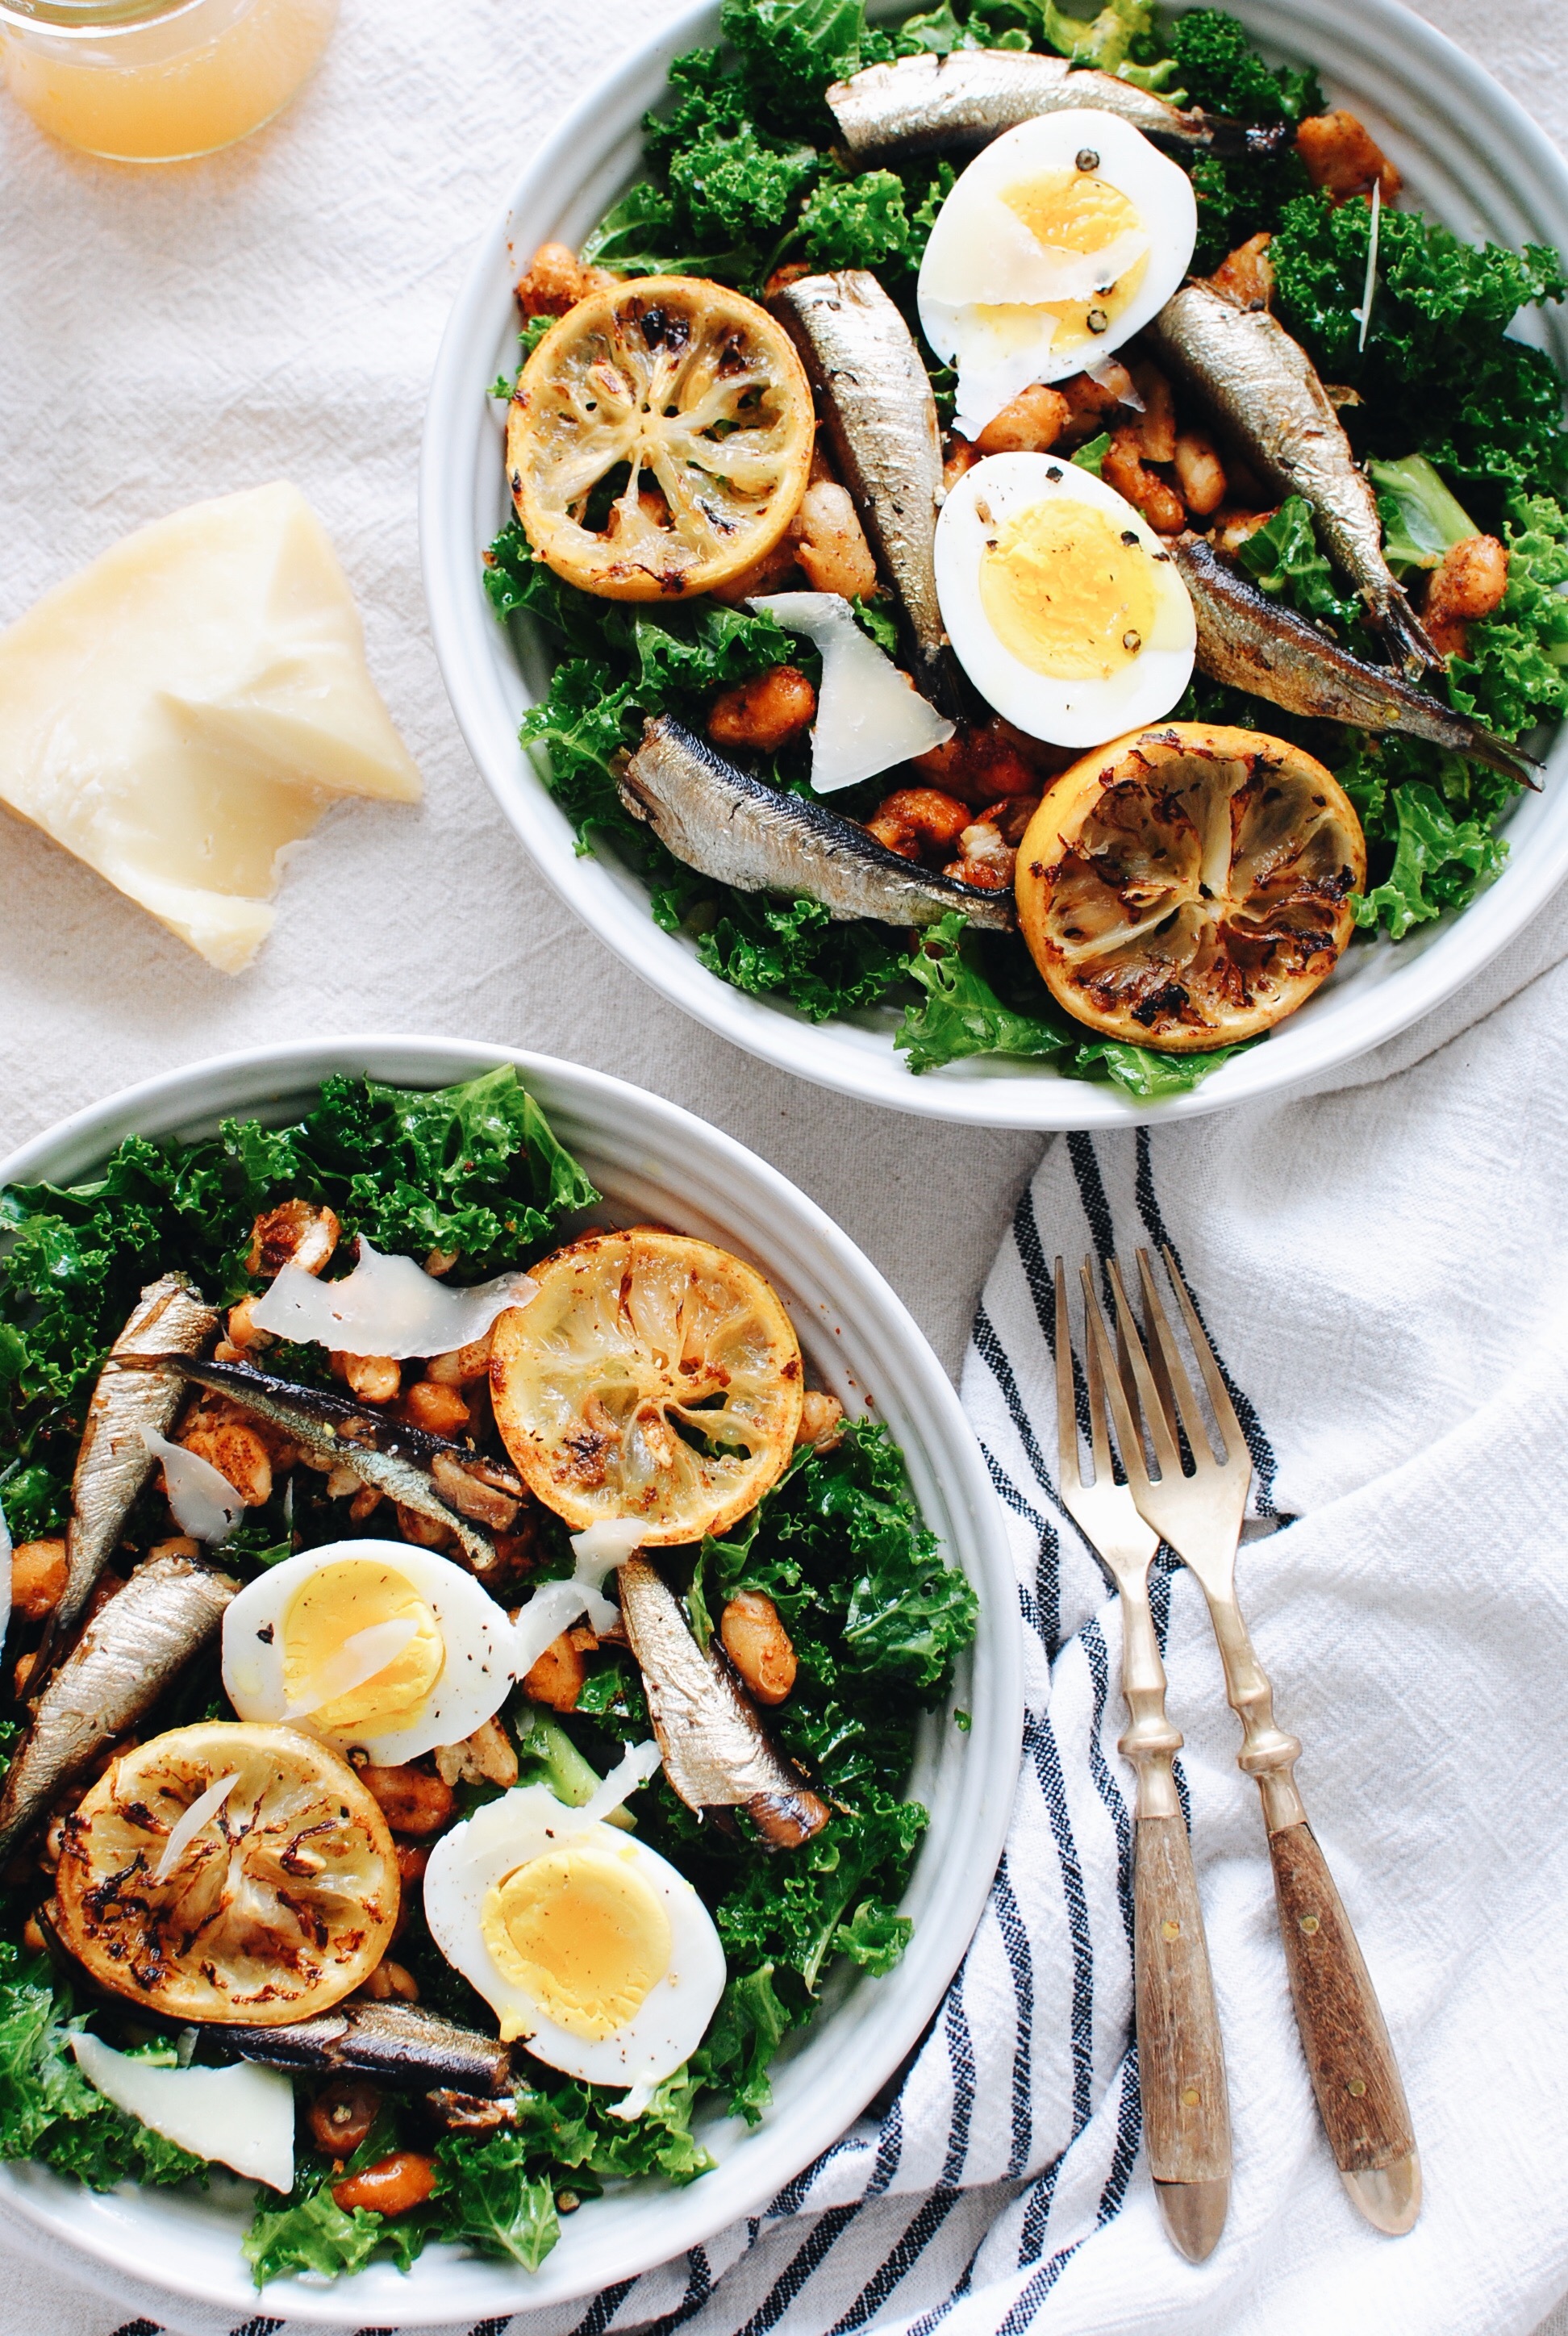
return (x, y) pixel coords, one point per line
(1003, 263)
(387, 1305)
(1112, 373)
(183, 711)
(205, 1806)
(241, 2116)
(602, 1546)
(360, 1655)
(554, 1607)
(1005, 352)
(201, 1500)
(868, 716)
(637, 1764)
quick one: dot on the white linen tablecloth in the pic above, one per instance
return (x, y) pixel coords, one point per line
(1377, 1263)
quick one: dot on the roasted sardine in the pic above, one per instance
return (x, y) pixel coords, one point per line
(1262, 386)
(920, 104)
(128, 1654)
(398, 1460)
(400, 2043)
(112, 1462)
(1257, 644)
(876, 400)
(742, 831)
(717, 1755)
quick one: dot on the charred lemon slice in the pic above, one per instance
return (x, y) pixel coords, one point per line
(228, 1872)
(659, 439)
(652, 1377)
(1187, 886)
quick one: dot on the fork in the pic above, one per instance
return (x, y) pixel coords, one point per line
(1181, 2063)
(1354, 2074)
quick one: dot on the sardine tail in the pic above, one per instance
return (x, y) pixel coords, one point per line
(1498, 755)
(1406, 637)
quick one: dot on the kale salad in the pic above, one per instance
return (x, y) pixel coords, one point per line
(504, 1672)
(1108, 520)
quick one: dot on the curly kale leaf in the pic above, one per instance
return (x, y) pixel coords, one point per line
(742, 2035)
(495, 2198)
(1421, 520)
(705, 103)
(40, 2083)
(962, 1015)
(473, 1168)
(842, 1528)
(797, 1916)
(47, 2107)
(773, 946)
(1439, 862)
(855, 222)
(729, 188)
(1284, 558)
(569, 2125)
(1437, 373)
(315, 2235)
(1515, 672)
(620, 665)
(790, 50)
(1240, 196)
(1224, 74)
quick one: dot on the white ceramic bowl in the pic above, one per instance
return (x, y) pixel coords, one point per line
(650, 1160)
(1470, 156)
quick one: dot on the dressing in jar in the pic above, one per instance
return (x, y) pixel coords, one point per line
(158, 81)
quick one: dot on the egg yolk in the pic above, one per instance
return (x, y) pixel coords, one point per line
(1075, 211)
(324, 1676)
(582, 1934)
(1066, 592)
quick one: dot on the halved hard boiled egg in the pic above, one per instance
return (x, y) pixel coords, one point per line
(1058, 244)
(586, 1943)
(372, 1643)
(1063, 605)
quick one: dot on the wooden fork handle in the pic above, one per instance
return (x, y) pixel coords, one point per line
(1348, 2056)
(1181, 2062)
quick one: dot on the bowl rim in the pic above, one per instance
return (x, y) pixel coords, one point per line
(1382, 39)
(886, 2017)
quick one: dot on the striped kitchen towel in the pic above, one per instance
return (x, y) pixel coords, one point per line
(1382, 1269)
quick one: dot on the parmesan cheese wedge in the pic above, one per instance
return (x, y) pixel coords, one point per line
(243, 2116)
(187, 709)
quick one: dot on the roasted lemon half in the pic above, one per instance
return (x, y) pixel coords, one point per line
(652, 1377)
(659, 439)
(228, 1872)
(1187, 886)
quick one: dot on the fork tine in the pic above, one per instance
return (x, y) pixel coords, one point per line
(1162, 1376)
(1219, 1393)
(1162, 1432)
(1181, 1388)
(1067, 1463)
(1129, 1442)
(1098, 1436)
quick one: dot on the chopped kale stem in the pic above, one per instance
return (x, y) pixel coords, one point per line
(743, 172)
(876, 1616)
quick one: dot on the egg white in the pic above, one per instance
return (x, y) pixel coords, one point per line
(1066, 712)
(667, 2027)
(981, 253)
(476, 1678)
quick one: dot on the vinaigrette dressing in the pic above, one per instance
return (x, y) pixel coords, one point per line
(145, 81)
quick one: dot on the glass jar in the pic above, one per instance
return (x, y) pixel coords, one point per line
(158, 81)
